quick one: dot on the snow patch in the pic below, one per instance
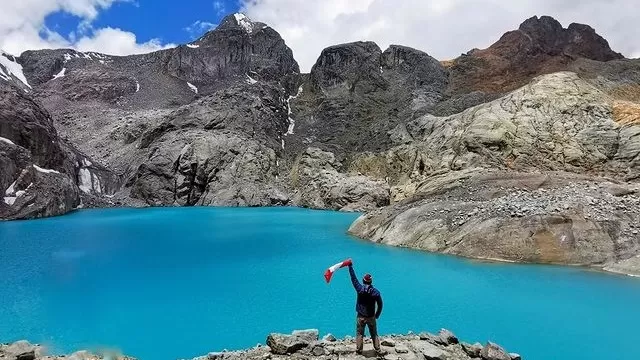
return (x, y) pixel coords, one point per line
(46, 171)
(11, 189)
(88, 182)
(137, 86)
(282, 143)
(67, 57)
(292, 122)
(5, 140)
(13, 68)
(86, 162)
(193, 46)
(60, 74)
(87, 56)
(10, 200)
(244, 22)
(251, 80)
(101, 62)
(84, 180)
(193, 87)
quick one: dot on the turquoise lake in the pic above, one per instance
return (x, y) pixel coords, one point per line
(172, 283)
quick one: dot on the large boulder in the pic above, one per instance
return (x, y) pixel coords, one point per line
(429, 351)
(20, 350)
(492, 351)
(282, 344)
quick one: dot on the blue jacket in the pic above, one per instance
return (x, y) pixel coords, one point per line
(368, 297)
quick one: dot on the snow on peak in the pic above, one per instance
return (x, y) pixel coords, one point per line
(60, 74)
(193, 46)
(12, 68)
(193, 87)
(244, 21)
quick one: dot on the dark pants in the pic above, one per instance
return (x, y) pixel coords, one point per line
(370, 322)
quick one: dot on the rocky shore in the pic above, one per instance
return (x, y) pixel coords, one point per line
(307, 345)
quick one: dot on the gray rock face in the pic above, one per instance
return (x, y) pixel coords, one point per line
(27, 124)
(558, 122)
(39, 193)
(40, 172)
(321, 186)
(238, 46)
(356, 93)
(221, 150)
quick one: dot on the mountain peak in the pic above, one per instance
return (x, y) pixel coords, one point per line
(546, 23)
(551, 37)
(239, 20)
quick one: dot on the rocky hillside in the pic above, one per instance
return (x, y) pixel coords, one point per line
(305, 344)
(508, 153)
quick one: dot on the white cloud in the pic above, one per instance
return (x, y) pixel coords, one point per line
(22, 27)
(219, 7)
(442, 28)
(199, 27)
(117, 42)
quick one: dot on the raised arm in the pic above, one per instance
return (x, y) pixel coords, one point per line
(354, 279)
(379, 302)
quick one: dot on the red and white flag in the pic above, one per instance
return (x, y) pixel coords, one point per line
(329, 273)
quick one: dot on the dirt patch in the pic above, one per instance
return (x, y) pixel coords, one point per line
(626, 112)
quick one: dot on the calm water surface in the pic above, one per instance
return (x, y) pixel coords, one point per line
(179, 282)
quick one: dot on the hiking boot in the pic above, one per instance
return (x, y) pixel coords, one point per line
(358, 352)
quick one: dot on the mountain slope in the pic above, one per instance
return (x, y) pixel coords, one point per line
(547, 116)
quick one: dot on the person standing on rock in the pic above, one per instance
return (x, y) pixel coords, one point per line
(367, 314)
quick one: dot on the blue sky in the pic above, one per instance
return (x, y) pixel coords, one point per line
(166, 20)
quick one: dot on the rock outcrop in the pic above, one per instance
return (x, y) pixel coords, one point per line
(306, 345)
(557, 218)
(41, 174)
(559, 122)
(320, 185)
